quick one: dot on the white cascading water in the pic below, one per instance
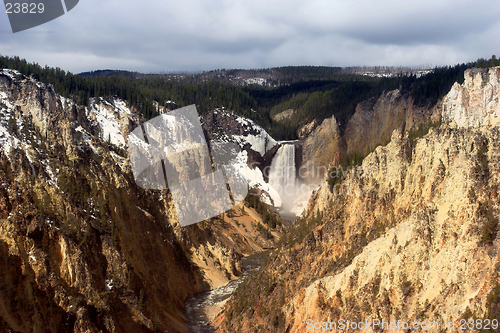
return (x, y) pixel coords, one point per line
(282, 175)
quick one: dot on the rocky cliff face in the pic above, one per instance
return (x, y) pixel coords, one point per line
(371, 125)
(375, 119)
(476, 102)
(224, 126)
(410, 235)
(82, 248)
(318, 151)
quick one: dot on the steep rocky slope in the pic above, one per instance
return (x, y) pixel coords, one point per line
(257, 149)
(375, 119)
(82, 248)
(476, 102)
(370, 126)
(318, 151)
(409, 235)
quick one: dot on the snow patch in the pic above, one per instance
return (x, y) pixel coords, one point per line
(10, 73)
(260, 142)
(110, 128)
(65, 101)
(85, 135)
(109, 284)
(31, 163)
(121, 106)
(8, 141)
(94, 149)
(142, 210)
(256, 180)
(53, 179)
(255, 80)
(87, 139)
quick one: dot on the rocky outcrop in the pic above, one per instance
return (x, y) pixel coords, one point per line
(370, 126)
(476, 102)
(318, 151)
(284, 115)
(224, 126)
(375, 120)
(411, 235)
(305, 130)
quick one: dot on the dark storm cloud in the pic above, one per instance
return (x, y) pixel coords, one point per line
(428, 24)
(200, 35)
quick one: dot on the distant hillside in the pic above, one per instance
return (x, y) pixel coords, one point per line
(110, 72)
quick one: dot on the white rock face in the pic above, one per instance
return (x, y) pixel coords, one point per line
(477, 101)
(110, 117)
(259, 140)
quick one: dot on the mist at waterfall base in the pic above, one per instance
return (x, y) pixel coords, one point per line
(294, 192)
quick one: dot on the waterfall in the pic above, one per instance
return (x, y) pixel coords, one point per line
(282, 175)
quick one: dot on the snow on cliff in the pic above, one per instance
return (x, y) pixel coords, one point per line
(257, 137)
(108, 116)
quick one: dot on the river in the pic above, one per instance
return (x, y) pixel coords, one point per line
(196, 308)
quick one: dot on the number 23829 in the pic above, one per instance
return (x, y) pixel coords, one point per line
(25, 8)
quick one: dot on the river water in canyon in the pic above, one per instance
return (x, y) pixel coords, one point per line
(198, 308)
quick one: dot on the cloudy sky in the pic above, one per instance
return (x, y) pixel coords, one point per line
(193, 35)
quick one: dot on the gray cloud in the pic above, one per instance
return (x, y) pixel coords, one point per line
(201, 35)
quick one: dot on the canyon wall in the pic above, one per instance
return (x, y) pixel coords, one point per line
(476, 102)
(82, 247)
(370, 126)
(409, 235)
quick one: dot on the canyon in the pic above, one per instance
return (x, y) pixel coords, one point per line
(83, 248)
(407, 232)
